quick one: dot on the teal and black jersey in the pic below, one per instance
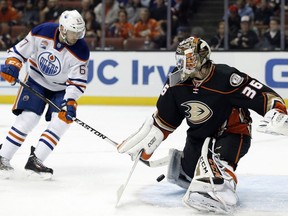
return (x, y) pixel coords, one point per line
(221, 101)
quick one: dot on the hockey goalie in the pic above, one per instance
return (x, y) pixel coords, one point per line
(214, 99)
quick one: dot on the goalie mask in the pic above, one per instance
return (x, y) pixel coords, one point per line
(72, 27)
(191, 54)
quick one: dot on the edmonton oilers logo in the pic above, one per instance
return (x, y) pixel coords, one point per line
(49, 64)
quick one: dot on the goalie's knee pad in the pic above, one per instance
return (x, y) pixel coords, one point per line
(214, 184)
(175, 174)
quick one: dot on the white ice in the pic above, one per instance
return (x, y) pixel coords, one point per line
(88, 172)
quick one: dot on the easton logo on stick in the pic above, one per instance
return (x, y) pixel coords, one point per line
(90, 128)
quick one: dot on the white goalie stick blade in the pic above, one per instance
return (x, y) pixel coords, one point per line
(157, 163)
(123, 186)
(204, 203)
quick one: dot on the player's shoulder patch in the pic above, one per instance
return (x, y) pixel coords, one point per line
(236, 80)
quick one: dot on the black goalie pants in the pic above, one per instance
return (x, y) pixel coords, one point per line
(231, 147)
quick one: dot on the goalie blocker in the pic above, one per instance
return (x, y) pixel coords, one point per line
(148, 138)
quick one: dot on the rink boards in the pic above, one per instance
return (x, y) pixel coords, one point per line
(136, 78)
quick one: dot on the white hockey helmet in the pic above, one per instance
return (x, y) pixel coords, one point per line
(72, 26)
(191, 54)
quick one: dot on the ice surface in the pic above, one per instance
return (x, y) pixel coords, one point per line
(88, 172)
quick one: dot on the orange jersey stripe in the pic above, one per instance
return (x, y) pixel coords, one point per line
(16, 137)
(239, 150)
(50, 138)
(72, 83)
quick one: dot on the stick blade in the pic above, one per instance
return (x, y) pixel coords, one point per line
(123, 186)
(119, 193)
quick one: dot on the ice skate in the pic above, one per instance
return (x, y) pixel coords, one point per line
(36, 168)
(6, 170)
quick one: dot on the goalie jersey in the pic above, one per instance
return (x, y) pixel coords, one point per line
(54, 65)
(220, 102)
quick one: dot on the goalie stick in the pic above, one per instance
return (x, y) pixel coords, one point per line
(156, 163)
(123, 186)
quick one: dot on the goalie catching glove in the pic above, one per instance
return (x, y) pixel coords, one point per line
(10, 71)
(274, 122)
(68, 110)
(148, 138)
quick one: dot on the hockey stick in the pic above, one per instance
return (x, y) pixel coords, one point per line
(157, 163)
(123, 186)
(78, 121)
(153, 164)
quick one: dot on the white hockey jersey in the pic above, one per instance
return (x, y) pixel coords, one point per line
(54, 65)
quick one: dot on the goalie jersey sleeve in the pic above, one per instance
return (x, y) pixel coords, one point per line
(207, 104)
(54, 65)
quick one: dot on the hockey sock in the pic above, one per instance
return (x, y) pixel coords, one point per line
(12, 143)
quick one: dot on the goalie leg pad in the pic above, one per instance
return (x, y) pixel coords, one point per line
(175, 174)
(214, 183)
(204, 203)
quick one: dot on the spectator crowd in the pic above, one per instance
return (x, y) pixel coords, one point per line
(252, 24)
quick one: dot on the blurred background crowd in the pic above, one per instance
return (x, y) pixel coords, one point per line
(157, 24)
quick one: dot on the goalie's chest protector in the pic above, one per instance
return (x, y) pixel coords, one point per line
(205, 105)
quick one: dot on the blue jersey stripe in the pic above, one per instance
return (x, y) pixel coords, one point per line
(53, 134)
(19, 132)
(47, 143)
(13, 142)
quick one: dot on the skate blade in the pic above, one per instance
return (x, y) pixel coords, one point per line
(6, 174)
(38, 176)
(207, 205)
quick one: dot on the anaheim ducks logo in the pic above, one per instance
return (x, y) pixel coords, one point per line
(197, 112)
(49, 64)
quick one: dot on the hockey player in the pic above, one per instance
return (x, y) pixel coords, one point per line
(57, 57)
(214, 99)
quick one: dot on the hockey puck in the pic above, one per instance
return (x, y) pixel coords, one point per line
(160, 178)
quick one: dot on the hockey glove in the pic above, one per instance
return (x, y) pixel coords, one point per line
(68, 111)
(148, 137)
(10, 71)
(274, 122)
